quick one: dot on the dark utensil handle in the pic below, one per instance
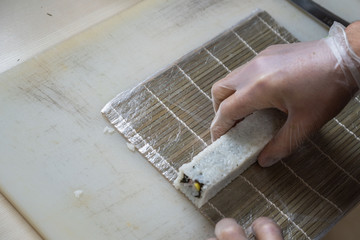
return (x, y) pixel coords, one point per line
(322, 14)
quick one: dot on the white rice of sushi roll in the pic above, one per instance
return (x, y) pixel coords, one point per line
(226, 158)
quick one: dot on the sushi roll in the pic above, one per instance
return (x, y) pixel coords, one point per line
(226, 158)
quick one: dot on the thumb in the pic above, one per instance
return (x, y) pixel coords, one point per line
(289, 137)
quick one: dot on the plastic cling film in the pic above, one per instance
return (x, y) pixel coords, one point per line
(167, 118)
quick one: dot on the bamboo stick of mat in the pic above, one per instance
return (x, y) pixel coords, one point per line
(168, 117)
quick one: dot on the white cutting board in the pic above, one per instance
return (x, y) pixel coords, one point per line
(52, 141)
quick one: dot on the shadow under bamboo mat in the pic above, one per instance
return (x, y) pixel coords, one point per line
(168, 116)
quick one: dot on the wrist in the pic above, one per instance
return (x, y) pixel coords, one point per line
(353, 36)
(347, 56)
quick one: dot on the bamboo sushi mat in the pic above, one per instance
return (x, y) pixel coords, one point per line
(167, 118)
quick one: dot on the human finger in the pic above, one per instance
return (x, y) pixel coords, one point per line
(266, 229)
(231, 110)
(219, 93)
(227, 86)
(289, 137)
(228, 229)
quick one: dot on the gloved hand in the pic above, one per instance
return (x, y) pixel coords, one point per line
(263, 228)
(310, 81)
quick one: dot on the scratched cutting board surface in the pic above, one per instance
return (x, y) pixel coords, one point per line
(52, 141)
(168, 116)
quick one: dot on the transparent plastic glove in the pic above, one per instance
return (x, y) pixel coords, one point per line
(263, 228)
(310, 81)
